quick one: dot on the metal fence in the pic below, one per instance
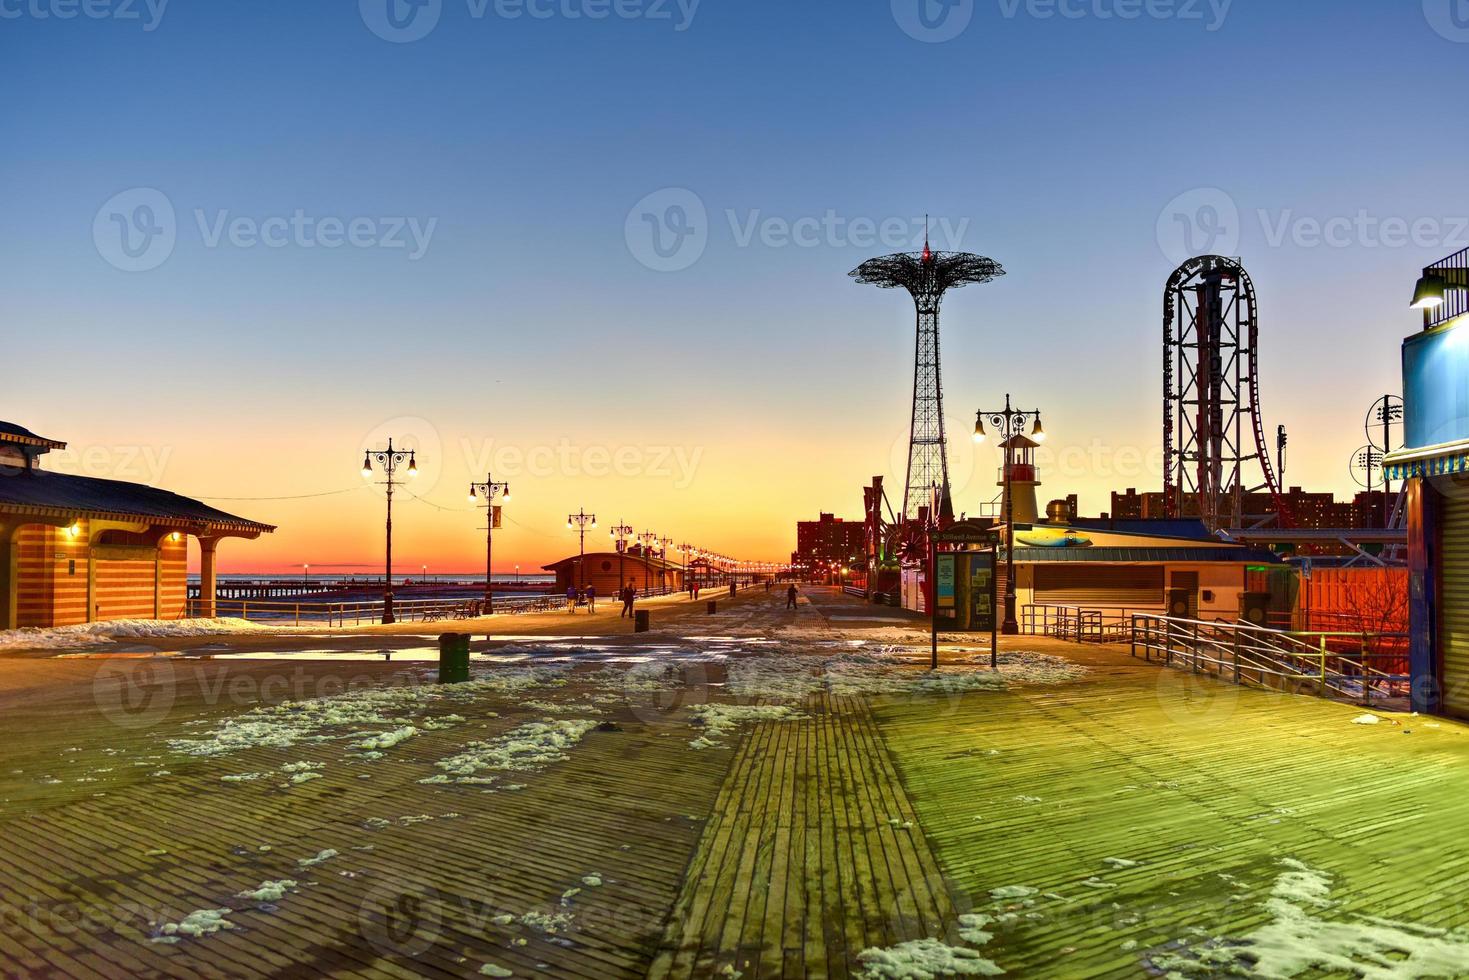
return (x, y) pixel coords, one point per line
(1079, 623)
(357, 613)
(1358, 667)
(367, 612)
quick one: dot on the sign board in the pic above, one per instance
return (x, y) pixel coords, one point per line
(965, 590)
(968, 532)
(946, 582)
(495, 518)
(983, 591)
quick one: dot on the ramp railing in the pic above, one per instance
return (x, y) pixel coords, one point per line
(1358, 667)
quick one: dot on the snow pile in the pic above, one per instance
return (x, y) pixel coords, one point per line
(719, 720)
(550, 923)
(1366, 720)
(1300, 939)
(204, 922)
(972, 928)
(92, 634)
(344, 715)
(924, 959)
(525, 749)
(887, 671)
(269, 891)
(387, 740)
(320, 858)
(494, 970)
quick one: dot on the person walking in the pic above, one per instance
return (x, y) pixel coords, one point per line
(591, 598)
(791, 596)
(571, 599)
(629, 595)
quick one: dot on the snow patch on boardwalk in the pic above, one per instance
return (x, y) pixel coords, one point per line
(387, 712)
(528, 748)
(924, 959)
(1302, 940)
(93, 634)
(889, 671)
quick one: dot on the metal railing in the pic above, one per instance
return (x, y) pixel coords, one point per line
(1353, 666)
(1082, 624)
(367, 612)
(1455, 269)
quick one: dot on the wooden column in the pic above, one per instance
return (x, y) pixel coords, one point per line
(208, 577)
(9, 575)
(1424, 556)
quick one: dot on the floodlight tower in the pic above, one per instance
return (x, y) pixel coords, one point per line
(927, 275)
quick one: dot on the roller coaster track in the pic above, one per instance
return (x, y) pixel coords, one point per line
(1234, 347)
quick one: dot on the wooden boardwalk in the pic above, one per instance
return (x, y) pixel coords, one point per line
(813, 854)
(1196, 791)
(419, 894)
(1148, 810)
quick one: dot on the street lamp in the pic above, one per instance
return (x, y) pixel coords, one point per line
(1008, 425)
(688, 551)
(579, 522)
(489, 490)
(663, 546)
(646, 542)
(620, 533)
(389, 460)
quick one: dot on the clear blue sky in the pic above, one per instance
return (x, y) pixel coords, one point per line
(528, 318)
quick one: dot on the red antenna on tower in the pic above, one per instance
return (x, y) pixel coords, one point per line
(927, 252)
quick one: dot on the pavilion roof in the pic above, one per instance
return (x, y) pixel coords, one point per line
(39, 492)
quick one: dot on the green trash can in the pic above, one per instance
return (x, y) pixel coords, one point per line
(453, 658)
(642, 621)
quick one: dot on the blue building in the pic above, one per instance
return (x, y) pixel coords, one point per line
(1434, 462)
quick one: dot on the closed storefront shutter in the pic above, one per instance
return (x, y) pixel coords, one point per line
(1098, 585)
(1454, 608)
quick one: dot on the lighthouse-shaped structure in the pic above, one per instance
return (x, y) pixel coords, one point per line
(1021, 508)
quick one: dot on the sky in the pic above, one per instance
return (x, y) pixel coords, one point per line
(600, 248)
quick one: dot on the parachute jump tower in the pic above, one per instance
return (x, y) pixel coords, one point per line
(927, 275)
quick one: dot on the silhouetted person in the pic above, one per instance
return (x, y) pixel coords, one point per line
(629, 596)
(791, 597)
(571, 600)
(591, 598)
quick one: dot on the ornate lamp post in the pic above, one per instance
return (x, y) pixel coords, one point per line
(388, 460)
(1009, 424)
(489, 490)
(663, 545)
(579, 522)
(688, 551)
(621, 533)
(647, 541)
